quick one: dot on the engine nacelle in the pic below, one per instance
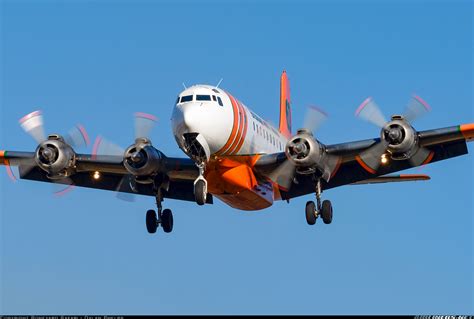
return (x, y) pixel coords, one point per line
(55, 157)
(401, 137)
(142, 160)
(305, 152)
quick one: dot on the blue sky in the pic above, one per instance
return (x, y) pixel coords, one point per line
(391, 249)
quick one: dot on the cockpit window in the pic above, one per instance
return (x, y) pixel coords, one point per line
(214, 98)
(203, 97)
(177, 100)
(220, 101)
(187, 98)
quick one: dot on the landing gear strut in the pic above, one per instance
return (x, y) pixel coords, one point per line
(163, 218)
(200, 187)
(324, 209)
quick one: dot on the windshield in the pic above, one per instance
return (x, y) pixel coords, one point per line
(203, 97)
(187, 98)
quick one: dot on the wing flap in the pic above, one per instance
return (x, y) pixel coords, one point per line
(394, 178)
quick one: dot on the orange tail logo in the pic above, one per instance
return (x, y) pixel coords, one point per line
(285, 106)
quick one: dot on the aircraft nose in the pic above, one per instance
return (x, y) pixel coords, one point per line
(188, 119)
(192, 119)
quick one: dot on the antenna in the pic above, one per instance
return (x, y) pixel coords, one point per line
(219, 83)
(184, 85)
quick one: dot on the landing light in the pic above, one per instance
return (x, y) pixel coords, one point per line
(384, 159)
(96, 175)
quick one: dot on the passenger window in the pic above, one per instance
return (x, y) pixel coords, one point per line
(220, 101)
(203, 97)
(187, 98)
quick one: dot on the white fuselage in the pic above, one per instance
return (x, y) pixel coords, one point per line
(227, 125)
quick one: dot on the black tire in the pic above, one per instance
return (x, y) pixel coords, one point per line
(310, 213)
(199, 192)
(326, 212)
(151, 221)
(167, 221)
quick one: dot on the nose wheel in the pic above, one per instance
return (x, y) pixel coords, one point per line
(163, 217)
(313, 211)
(200, 187)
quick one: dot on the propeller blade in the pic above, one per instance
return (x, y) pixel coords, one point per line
(126, 184)
(10, 173)
(370, 112)
(33, 125)
(314, 118)
(77, 137)
(144, 124)
(283, 175)
(332, 164)
(373, 155)
(105, 147)
(62, 186)
(421, 157)
(416, 108)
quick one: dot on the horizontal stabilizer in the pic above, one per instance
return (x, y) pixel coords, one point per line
(394, 178)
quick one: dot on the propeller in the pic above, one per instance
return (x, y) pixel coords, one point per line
(77, 137)
(299, 148)
(33, 125)
(393, 133)
(144, 124)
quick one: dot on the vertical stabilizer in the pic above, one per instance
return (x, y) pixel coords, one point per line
(285, 106)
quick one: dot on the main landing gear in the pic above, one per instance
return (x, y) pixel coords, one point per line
(200, 187)
(163, 218)
(324, 210)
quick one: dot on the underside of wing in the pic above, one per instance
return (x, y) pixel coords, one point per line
(175, 189)
(176, 175)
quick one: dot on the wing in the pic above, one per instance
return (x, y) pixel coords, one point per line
(441, 143)
(112, 176)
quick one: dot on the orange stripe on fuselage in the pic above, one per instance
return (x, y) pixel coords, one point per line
(232, 148)
(234, 129)
(367, 168)
(244, 128)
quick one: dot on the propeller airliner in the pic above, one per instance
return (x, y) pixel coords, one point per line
(236, 156)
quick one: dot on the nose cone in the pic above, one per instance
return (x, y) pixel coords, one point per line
(188, 118)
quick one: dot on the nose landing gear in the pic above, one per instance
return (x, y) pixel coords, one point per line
(324, 210)
(200, 187)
